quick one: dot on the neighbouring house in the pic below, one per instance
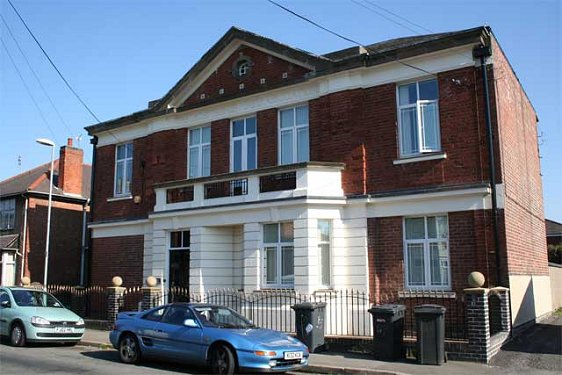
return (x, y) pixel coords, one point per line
(554, 241)
(23, 221)
(269, 167)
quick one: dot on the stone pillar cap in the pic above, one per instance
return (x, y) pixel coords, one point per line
(500, 288)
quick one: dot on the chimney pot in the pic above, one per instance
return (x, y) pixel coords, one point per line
(69, 142)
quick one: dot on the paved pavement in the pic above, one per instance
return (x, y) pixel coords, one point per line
(537, 351)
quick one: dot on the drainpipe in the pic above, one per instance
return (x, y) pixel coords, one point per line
(87, 252)
(83, 247)
(24, 239)
(484, 52)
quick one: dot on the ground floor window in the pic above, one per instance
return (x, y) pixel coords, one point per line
(324, 253)
(279, 255)
(426, 252)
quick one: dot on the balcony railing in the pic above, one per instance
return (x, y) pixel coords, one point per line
(313, 179)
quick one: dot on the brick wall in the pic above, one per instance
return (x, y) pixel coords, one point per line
(470, 243)
(158, 157)
(117, 256)
(264, 66)
(524, 214)
(220, 146)
(65, 242)
(267, 138)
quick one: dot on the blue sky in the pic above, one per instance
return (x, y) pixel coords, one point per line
(120, 54)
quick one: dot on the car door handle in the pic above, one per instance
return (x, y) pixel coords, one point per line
(159, 330)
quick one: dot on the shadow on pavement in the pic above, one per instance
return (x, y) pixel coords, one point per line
(113, 356)
(540, 339)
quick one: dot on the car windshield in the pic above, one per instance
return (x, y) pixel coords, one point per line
(221, 317)
(35, 298)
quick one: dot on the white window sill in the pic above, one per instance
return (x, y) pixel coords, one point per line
(120, 198)
(421, 157)
(419, 293)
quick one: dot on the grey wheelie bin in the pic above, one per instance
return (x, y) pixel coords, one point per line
(309, 321)
(430, 326)
(388, 326)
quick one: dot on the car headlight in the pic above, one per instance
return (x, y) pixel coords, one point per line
(80, 322)
(40, 321)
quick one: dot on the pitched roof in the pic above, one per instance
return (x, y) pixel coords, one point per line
(37, 180)
(8, 241)
(332, 62)
(553, 228)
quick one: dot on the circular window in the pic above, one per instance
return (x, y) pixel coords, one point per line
(242, 67)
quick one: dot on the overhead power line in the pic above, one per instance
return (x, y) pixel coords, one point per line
(399, 16)
(53, 64)
(384, 16)
(36, 76)
(399, 23)
(346, 38)
(27, 89)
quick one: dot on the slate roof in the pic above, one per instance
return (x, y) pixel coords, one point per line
(328, 63)
(9, 241)
(37, 180)
(553, 228)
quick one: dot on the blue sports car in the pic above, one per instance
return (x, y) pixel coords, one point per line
(208, 335)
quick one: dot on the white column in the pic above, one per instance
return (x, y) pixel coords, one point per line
(195, 272)
(251, 260)
(306, 257)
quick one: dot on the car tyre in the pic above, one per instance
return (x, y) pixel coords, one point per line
(223, 361)
(129, 349)
(17, 335)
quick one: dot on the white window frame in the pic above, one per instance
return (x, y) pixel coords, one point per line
(330, 247)
(418, 105)
(200, 172)
(426, 254)
(244, 138)
(7, 214)
(124, 191)
(279, 257)
(295, 128)
(166, 270)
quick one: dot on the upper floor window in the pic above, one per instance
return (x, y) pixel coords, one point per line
(426, 252)
(123, 169)
(7, 214)
(293, 135)
(200, 152)
(243, 145)
(279, 254)
(418, 117)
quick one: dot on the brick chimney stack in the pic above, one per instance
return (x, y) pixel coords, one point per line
(70, 168)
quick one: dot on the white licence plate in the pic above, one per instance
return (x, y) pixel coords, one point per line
(64, 330)
(292, 355)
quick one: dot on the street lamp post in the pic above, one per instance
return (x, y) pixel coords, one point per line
(48, 142)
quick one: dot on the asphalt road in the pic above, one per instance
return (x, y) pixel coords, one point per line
(49, 359)
(538, 348)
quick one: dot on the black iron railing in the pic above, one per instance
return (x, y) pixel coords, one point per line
(278, 182)
(228, 188)
(181, 194)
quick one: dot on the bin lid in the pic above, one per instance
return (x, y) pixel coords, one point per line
(387, 309)
(308, 305)
(429, 309)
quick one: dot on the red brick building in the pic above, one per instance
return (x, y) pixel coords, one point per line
(266, 166)
(23, 221)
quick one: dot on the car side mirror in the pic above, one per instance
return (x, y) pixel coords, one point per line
(5, 304)
(191, 323)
